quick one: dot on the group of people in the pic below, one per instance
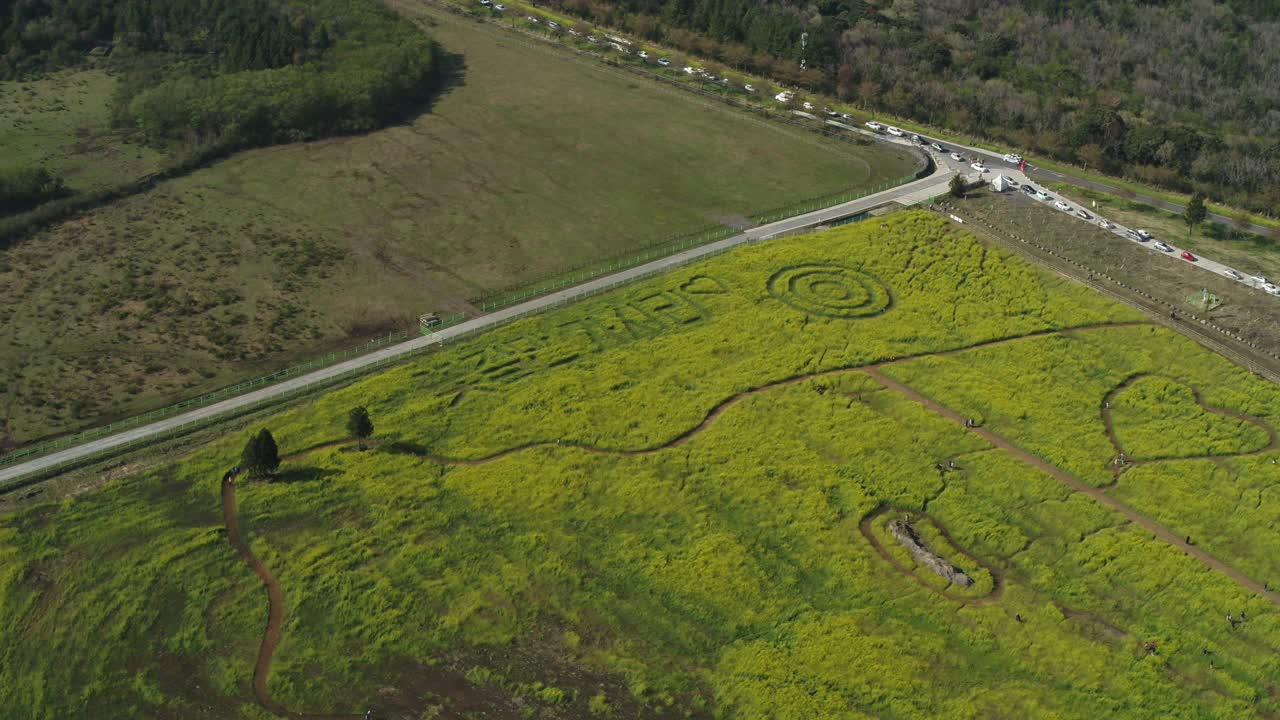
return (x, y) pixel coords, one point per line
(231, 474)
(944, 469)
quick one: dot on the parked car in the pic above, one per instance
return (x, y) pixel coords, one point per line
(749, 87)
(1162, 247)
(688, 70)
(532, 19)
(808, 106)
(1062, 206)
(1013, 158)
(1233, 274)
(499, 7)
(1104, 224)
(1188, 256)
(1042, 195)
(1271, 289)
(916, 139)
(553, 24)
(664, 62)
(643, 55)
(484, 2)
(1084, 214)
(1028, 190)
(938, 147)
(896, 132)
(830, 112)
(846, 116)
(593, 39)
(875, 125)
(1143, 235)
(979, 167)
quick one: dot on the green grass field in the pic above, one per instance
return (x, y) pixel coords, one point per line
(667, 502)
(532, 163)
(62, 122)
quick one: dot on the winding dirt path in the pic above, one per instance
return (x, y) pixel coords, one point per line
(275, 615)
(1072, 482)
(1273, 440)
(997, 575)
(275, 594)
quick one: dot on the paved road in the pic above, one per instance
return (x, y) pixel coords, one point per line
(935, 184)
(997, 166)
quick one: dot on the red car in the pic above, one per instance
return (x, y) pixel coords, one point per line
(1188, 256)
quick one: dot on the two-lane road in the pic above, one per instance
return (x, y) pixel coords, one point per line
(915, 191)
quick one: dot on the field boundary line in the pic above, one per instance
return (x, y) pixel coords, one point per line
(12, 476)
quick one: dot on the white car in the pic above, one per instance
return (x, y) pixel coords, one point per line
(643, 55)
(957, 157)
(1271, 289)
(1143, 235)
(808, 106)
(830, 112)
(531, 19)
(1013, 158)
(783, 97)
(1233, 275)
(916, 139)
(1084, 214)
(979, 167)
(1042, 195)
(1062, 206)
(846, 116)
(894, 131)
(499, 7)
(664, 62)
(553, 24)
(574, 33)
(688, 70)
(875, 125)
(484, 2)
(937, 146)
(1162, 247)
(1104, 224)
(593, 39)
(749, 87)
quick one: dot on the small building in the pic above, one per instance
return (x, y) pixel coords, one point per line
(1001, 183)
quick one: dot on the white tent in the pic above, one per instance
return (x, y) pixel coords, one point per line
(1001, 183)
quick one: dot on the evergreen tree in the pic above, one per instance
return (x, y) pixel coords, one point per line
(957, 187)
(359, 425)
(1195, 212)
(261, 456)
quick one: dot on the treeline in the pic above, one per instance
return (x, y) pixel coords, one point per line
(205, 78)
(242, 34)
(1183, 94)
(375, 67)
(27, 187)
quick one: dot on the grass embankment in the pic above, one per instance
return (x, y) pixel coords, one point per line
(1251, 253)
(532, 163)
(1246, 312)
(720, 571)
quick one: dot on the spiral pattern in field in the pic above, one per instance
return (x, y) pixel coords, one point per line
(830, 290)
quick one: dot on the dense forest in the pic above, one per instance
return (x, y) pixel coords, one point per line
(217, 76)
(1185, 94)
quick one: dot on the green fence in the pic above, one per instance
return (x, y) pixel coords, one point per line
(505, 299)
(200, 400)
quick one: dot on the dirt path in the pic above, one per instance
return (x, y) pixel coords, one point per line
(275, 615)
(1273, 441)
(1097, 494)
(728, 402)
(997, 575)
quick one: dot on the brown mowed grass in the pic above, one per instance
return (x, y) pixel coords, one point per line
(533, 161)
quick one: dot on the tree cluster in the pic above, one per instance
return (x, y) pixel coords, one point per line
(229, 75)
(1183, 94)
(27, 187)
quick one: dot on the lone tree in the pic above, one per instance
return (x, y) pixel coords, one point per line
(261, 456)
(359, 424)
(1195, 213)
(957, 187)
